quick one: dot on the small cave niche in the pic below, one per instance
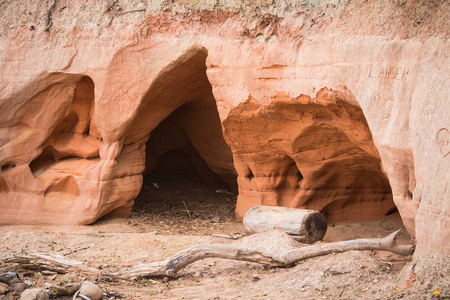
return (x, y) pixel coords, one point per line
(8, 166)
(290, 183)
(250, 175)
(70, 137)
(43, 161)
(68, 149)
(293, 176)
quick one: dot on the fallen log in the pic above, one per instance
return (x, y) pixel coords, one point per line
(306, 226)
(170, 266)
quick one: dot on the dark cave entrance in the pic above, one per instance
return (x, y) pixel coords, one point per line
(171, 157)
(179, 188)
(189, 171)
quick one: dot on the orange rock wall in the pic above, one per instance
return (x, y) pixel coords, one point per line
(314, 153)
(312, 110)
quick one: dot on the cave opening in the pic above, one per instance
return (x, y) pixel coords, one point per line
(314, 153)
(189, 172)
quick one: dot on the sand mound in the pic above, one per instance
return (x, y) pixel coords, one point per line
(269, 241)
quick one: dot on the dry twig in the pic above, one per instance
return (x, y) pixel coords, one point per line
(48, 22)
(187, 210)
(133, 11)
(231, 237)
(50, 261)
(111, 5)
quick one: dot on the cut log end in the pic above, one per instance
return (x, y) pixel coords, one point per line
(315, 227)
(306, 226)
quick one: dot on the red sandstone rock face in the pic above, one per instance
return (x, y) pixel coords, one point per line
(303, 111)
(314, 153)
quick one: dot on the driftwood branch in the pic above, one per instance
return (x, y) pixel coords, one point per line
(170, 266)
(388, 243)
(50, 261)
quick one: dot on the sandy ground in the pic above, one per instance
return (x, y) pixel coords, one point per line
(183, 214)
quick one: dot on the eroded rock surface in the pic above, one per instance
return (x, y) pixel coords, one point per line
(302, 104)
(314, 153)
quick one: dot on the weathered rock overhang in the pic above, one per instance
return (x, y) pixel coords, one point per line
(306, 117)
(315, 153)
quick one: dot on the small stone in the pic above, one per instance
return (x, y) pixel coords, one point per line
(216, 220)
(260, 38)
(15, 280)
(9, 277)
(91, 290)
(35, 294)
(28, 274)
(67, 289)
(19, 287)
(197, 274)
(4, 288)
(272, 38)
(28, 282)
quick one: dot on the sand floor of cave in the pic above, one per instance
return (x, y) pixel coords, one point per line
(159, 228)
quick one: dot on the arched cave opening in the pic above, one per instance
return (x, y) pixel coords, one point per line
(314, 153)
(189, 171)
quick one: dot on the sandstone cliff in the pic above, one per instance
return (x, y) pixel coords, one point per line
(337, 106)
